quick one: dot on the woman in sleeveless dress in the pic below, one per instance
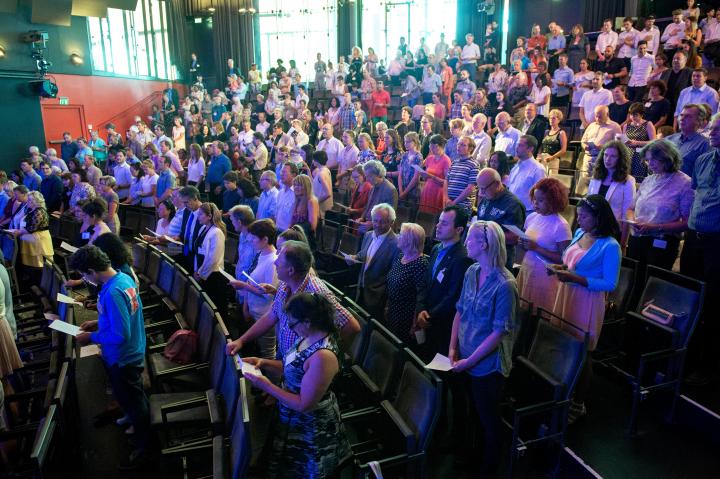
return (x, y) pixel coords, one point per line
(306, 211)
(308, 438)
(554, 144)
(640, 132)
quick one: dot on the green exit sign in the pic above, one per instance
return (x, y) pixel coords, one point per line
(64, 100)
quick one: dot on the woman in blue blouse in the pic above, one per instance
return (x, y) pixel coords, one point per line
(590, 270)
(482, 331)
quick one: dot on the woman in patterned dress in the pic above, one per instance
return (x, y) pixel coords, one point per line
(405, 279)
(437, 165)
(308, 438)
(640, 132)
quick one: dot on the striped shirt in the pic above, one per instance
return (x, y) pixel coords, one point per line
(463, 172)
(705, 212)
(286, 337)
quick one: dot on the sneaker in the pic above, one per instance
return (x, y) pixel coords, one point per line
(123, 421)
(138, 458)
(576, 411)
(130, 431)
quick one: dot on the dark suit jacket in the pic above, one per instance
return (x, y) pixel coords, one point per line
(537, 128)
(372, 283)
(385, 192)
(684, 80)
(438, 297)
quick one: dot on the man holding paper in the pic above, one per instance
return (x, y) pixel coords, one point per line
(120, 331)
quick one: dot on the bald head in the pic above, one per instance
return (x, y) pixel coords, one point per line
(601, 113)
(489, 183)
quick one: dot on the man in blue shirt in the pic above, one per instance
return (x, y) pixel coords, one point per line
(31, 179)
(219, 165)
(120, 332)
(698, 92)
(563, 79)
(690, 143)
(267, 207)
(165, 182)
(51, 188)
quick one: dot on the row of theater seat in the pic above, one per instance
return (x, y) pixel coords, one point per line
(42, 410)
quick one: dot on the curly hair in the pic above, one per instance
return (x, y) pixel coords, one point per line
(556, 194)
(622, 170)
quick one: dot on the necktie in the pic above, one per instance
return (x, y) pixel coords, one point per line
(254, 263)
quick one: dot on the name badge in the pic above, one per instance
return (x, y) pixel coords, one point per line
(85, 236)
(441, 275)
(648, 104)
(658, 243)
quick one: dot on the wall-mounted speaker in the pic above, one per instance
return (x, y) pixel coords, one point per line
(44, 88)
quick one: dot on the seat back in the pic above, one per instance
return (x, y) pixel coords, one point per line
(428, 222)
(557, 354)
(328, 237)
(418, 400)
(206, 325)
(69, 228)
(229, 388)
(153, 265)
(618, 299)
(44, 447)
(146, 220)
(192, 304)
(240, 451)
(526, 321)
(349, 242)
(139, 251)
(180, 286)
(231, 248)
(167, 274)
(47, 278)
(132, 220)
(681, 295)
(382, 358)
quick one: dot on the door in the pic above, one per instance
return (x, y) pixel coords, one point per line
(58, 119)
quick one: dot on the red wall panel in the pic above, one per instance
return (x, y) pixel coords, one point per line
(106, 99)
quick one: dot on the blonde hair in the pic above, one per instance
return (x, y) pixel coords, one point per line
(495, 239)
(211, 210)
(412, 234)
(557, 113)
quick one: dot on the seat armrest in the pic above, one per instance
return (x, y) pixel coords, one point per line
(643, 319)
(181, 369)
(169, 304)
(403, 428)
(218, 457)
(525, 362)
(176, 406)
(369, 384)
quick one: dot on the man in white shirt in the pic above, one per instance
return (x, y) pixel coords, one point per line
(641, 65)
(470, 56)
(674, 33)
(123, 175)
(483, 142)
(330, 145)
(507, 136)
(526, 172)
(245, 137)
(599, 132)
(262, 124)
(651, 34)
(711, 39)
(286, 197)
(441, 48)
(606, 38)
(347, 159)
(301, 96)
(593, 98)
(627, 40)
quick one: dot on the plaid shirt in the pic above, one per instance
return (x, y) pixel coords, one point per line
(455, 110)
(286, 337)
(347, 116)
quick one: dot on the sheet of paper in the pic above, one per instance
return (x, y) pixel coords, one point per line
(89, 350)
(349, 257)
(64, 327)
(418, 168)
(630, 222)
(51, 316)
(67, 299)
(440, 363)
(68, 247)
(171, 240)
(227, 275)
(249, 368)
(250, 280)
(516, 231)
(152, 232)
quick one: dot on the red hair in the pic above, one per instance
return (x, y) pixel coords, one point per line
(555, 192)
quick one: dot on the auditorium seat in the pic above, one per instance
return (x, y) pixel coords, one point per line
(652, 355)
(540, 386)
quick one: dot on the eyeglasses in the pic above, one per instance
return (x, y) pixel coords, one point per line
(488, 186)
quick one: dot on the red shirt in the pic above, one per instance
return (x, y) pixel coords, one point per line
(383, 98)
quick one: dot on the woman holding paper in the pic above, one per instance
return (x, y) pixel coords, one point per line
(590, 269)
(482, 332)
(437, 165)
(262, 235)
(309, 439)
(92, 214)
(409, 177)
(210, 257)
(661, 207)
(547, 236)
(34, 237)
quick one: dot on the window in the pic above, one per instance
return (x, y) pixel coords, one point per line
(385, 21)
(297, 30)
(132, 43)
